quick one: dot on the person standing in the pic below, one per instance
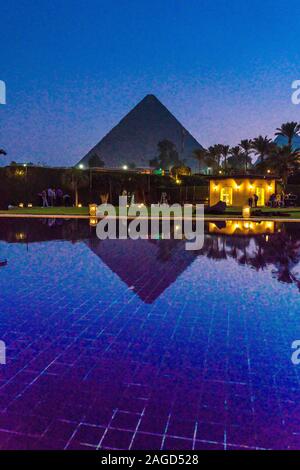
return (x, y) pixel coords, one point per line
(50, 196)
(66, 200)
(278, 200)
(250, 201)
(59, 197)
(53, 197)
(164, 198)
(255, 198)
(44, 199)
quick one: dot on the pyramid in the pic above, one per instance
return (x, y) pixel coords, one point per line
(135, 138)
(281, 141)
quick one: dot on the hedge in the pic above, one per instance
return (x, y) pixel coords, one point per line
(23, 184)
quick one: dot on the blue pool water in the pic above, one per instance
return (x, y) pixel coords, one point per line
(143, 345)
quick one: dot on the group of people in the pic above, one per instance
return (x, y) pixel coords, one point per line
(283, 200)
(130, 196)
(54, 197)
(276, 200)
(253, 200)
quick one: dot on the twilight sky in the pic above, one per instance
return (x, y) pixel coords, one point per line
(74, 68)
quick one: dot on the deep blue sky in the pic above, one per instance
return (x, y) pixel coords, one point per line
(73, 68)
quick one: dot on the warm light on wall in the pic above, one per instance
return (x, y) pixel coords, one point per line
(243, 228)
(79, 205)
(93, 210)
(246, 211)
(29, 204)
(20, 236)
(237, 191)
(93, 222)
(21, 204)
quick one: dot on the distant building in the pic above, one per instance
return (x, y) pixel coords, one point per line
(134, 140)
(236, 190)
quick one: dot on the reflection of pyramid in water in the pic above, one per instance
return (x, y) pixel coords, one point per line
(149, 267)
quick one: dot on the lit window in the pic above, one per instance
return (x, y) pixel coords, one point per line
(260, 193)
(226, 195)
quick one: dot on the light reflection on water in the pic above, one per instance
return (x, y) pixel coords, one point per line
(193, 346)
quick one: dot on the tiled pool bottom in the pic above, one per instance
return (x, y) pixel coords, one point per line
(141, 345)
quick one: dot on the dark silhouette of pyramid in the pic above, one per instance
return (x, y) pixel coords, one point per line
(135, 138)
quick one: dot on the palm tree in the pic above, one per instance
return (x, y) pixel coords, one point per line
(235, 160)
(284, 161)
(210, 157)
(289, 130)
(74, 179)
(167, 154)
(262, 147)
(201, 156)
(215, 154)
(211, 161)
(246, 147)
(225, 151)
(258, 259)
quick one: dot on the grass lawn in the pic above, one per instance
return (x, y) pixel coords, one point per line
(48, 210)
(294, 212)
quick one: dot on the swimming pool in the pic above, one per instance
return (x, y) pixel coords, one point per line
(122, 344)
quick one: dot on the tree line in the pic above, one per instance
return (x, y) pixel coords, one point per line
(270, 157)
